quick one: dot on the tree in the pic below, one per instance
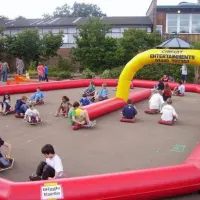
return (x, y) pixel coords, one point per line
(50, 44)
(31, 47)
(94, 49)
(2, 17)
(135, 41)
(20, 17)
(63, 11)
(86, 10)
(77, 10)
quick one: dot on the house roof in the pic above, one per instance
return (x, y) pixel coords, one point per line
(182, 6)
(72, 21)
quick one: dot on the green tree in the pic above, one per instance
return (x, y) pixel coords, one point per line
(31, 47)
(77, 10)
(20, 17)
(86, 10)
(94, 50)
(2, 41)
(135, 41)
(49, 44)
(2, 17)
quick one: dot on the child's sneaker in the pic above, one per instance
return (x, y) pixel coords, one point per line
(56, 115)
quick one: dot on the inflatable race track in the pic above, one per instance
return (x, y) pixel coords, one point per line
(131, 185)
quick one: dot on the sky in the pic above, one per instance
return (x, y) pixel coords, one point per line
(36, 8)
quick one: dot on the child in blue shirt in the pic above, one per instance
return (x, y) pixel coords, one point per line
(101, 95)
(180, 90)
(84, 101)
(38, 96)
(46, 70)
(21, 106)
(129, 111)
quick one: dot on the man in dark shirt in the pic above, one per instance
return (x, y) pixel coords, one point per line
(129, 111)
(3, 161)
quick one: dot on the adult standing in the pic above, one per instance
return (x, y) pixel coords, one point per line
(184, 71)
(0, 70)
(20, 66)
(5, 69)
(40, 71)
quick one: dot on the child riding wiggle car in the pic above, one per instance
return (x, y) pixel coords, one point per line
(79, 118)
(169, 114)
(101, 95)
(64, 107)
(155, 103)
(32, 115)
(129, 112)
(38, 97)
(90, 91)
(50, 169)
(20, 107)
(180, 90)
(5, 162)
(5, 106)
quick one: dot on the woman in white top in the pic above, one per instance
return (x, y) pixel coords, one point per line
(168, 112)
(156, 101)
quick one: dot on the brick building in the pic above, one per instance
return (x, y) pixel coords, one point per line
(182, 19)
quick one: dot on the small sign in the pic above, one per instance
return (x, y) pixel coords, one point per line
(51, 191)
(178, 148)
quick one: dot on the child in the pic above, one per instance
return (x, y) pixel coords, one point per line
(64, 106)
(77, 116)
(156, 101)
(129, 111)
(6, 104)
(21, 106)
(27, 75)
(90, 90)
(32, 113)
(40, 71)
(37, 97)
(46, 73)
(101, 95)
(167, 93)
(51, 169)
(168, 112)
(165, 78)
(180, 90)
(84, 101)
(4, 161)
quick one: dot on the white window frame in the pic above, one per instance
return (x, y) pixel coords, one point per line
(178, 24)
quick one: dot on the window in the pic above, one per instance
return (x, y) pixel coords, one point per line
(183, 23)
(71, 30)
(71, 38)
(172, 23)
(46, 31)
(159, 29)
(116, 35)
(65, 38)
(116, 30)
(55, 30)
(196, 23)
(6, 32)
(13, 32)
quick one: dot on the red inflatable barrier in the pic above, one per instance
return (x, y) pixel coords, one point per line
(133, 185)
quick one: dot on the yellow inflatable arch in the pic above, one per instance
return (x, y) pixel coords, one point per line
(173, 56)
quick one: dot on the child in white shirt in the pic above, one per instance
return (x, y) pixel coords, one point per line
(180, 90)
(156, 101)
(31, 113)
(52, 168)
(168, 112)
